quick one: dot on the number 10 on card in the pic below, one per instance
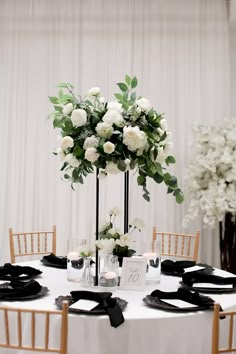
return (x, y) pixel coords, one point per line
(133, 273)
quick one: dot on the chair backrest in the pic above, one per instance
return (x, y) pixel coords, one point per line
(231, 316)
(23, 333)
(32, 243)
(179, 245)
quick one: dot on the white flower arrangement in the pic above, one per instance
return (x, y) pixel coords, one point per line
(115, 136)
(211, 177)
(112, 241)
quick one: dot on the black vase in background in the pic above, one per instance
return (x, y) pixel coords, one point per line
(228, 243)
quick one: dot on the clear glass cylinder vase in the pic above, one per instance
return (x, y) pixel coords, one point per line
(151, 250)
(109, 271)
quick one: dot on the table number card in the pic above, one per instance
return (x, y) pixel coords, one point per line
(133, 273)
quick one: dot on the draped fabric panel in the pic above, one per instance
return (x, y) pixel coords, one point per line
(179, 51)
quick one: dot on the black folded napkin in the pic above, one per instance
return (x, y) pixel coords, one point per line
(54, 260)
(9, 271)
(19, 289)
(203, 277)
(61, 262)
(170, 267)
(157, 299)
(105, 302)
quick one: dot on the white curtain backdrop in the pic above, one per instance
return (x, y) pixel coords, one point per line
(179, 51)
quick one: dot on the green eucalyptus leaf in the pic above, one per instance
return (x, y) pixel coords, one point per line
(166, 177)
(146, 197)
(170, 159)
(119, 96)
(66, 176)
(176, 192)
(53, 99)
(62, 85)
(128, 80)
(134, 82)
(121, 165)
(169, 190)
(122, 86)
(157, 178)
(132, 164)
(141, 180)
(172, 181)
(179, 198)
(159, 169)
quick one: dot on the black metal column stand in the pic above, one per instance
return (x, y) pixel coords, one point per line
(97, 227)
(126, 215)
(126, 202)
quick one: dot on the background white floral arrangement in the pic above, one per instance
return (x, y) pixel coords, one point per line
(113, 136)
(211, 176)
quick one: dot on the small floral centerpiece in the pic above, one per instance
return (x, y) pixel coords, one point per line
(112, 241)
(211, 175)
(113, 136)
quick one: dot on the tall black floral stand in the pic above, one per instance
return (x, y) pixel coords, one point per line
(227, 230)
(126, 215)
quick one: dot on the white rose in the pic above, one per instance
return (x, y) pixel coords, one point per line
(91, 155)
(78, 117)
(144, 104)
(67, 142)
(72, 160)
(90, 142)
(112, 117)
(112, 168)
(134, 138)
(116, 106)
(108, 147)
(104, 130)
(138, 224)
(102, 175)
(67, 108)
(94, 91)
(163, 124)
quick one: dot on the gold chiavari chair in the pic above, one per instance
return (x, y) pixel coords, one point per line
(28, 340)
(32, 243)
(231, 316)
(179, 245)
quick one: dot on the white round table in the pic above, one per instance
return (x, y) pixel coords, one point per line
(145, 330)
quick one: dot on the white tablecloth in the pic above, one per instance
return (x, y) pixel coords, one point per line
(145, 330)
